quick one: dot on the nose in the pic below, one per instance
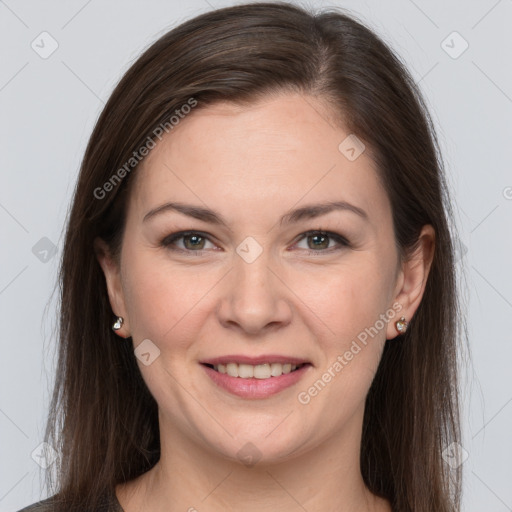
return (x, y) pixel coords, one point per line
(255, 298)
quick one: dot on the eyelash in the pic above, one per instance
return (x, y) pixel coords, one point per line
(169, 240)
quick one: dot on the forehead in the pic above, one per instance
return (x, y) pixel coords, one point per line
(265, 157)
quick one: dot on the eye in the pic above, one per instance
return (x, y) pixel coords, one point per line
(192, 241)
(320, 241)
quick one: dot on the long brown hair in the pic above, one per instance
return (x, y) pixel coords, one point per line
(103, 419)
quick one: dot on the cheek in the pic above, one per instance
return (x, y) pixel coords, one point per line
(151, 297)
(349, 327)
(164, 303)
(352, 335)
(347, 299)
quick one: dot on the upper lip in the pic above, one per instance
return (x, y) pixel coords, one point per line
(270, 358)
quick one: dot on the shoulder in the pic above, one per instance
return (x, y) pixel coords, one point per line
(109, 504)
(46, 505)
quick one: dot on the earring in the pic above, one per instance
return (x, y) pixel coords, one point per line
(118, 323)
(401, 325)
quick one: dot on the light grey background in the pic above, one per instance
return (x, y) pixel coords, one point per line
(49, 106)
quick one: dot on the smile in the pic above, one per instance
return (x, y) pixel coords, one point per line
(259, 371)
(255, 381)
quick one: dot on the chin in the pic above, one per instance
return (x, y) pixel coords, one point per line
(260, 448)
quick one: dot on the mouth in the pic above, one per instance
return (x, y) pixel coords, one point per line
(255, 378)
(258, 371)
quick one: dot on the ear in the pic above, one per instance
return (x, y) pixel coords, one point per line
(112, 272)
(412, 278)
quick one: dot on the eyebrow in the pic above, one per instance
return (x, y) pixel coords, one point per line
(293, 216)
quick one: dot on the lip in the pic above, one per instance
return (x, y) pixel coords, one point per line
(253, 388)
(265, 358)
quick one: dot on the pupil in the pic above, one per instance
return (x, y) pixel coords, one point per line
(317, 237)
(195, 239)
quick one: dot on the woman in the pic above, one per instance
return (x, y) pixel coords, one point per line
(258, 289)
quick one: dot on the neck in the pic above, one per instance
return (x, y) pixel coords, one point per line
(191, 478)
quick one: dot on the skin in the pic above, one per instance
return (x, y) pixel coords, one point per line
(252, 165)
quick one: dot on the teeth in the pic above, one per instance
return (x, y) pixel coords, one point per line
(232, 369)
(276, 369)
(245, 371)
(259, 371)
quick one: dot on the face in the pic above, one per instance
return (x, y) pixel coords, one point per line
(249, 267)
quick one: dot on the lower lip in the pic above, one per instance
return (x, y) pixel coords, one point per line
(256, 388)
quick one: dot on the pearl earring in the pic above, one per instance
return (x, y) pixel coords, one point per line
(401, 325)
(118, 323)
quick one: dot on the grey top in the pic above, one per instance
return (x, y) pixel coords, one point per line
(109, 504)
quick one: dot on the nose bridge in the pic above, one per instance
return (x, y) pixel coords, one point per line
(254, 297)
(253, 276)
